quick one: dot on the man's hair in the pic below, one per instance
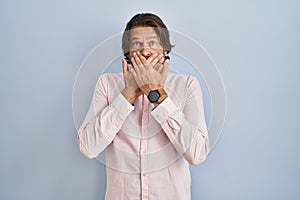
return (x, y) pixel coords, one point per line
(147, 20)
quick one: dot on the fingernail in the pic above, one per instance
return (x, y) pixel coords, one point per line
(155, 54)
(138, 52)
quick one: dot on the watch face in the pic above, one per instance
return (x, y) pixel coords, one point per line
(153, 96)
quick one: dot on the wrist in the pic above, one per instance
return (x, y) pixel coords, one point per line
(129, 95)
(157, 96)
(146, 89)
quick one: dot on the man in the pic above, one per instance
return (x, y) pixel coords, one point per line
(150, 122)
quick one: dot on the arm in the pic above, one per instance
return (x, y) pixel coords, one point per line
(103, 120)
(186, 129)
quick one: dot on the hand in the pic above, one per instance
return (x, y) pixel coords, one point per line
(149, 74)
(131, 90)
(160, 66)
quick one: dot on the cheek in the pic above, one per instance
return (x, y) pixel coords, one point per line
(159, 50)
(131, 53)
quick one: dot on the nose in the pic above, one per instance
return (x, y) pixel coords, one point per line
(146, 52)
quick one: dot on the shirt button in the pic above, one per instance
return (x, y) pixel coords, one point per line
(144, 174)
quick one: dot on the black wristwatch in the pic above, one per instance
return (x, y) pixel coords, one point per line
(155, 95)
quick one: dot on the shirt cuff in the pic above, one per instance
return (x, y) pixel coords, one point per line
(162, 112)
(121, 104)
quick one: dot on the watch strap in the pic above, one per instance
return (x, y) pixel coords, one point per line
(163, 95)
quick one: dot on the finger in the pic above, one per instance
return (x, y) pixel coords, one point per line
(124, 66)
(130, 67)
(165, 68)
(162, 60)
(135, 68)
(156, 59)
(133, 63)
(160, 69)
(157, 67)
(152, 57)
(137, 59)
(133, 71)
(144, 61)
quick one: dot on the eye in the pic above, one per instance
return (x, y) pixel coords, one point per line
(152, 43)
(136, 44)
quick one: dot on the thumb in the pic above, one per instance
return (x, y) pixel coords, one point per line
(124, 66)
(165, 68)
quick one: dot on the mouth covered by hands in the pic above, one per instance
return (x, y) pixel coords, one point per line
(145, 74)
(149, 74)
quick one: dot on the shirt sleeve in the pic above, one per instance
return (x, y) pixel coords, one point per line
(103, 120)
(186, 128)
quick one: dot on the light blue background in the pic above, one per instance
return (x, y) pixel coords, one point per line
(255, 45)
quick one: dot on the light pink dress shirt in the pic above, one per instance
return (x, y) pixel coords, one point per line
(147, 150)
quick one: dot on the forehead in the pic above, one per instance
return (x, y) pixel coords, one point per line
(142, 32)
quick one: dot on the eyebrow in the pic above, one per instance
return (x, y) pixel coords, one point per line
(150, 37)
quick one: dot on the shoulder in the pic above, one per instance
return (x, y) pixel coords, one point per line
(179, 79)
(182, 84)
(109, 78)
(108, 81)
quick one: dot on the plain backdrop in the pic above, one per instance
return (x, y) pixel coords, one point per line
(255, 45)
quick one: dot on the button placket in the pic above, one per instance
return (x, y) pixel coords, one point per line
(143, 153)
(144, 174)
